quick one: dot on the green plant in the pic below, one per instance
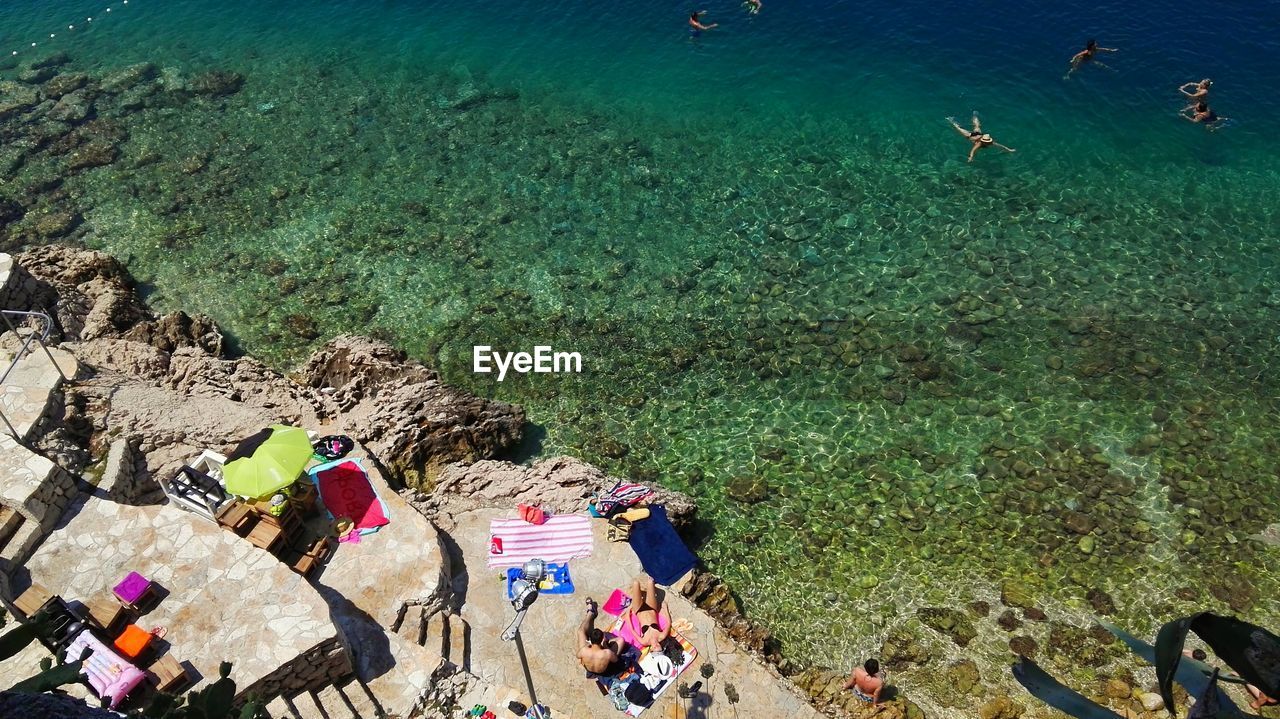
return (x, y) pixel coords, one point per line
(1249, 650)
(50, 677)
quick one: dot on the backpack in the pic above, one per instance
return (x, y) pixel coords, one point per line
(334, 446)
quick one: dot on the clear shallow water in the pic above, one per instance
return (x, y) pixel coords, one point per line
(794, 298)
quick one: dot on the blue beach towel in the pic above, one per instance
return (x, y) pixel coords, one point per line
(661, 551)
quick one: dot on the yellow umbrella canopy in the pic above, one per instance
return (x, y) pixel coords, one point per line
(267, 462)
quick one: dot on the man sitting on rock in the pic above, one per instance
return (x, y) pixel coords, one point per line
(866, 682)
(601, 653)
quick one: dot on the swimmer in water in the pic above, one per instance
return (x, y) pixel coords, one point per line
(1196, 92)
(979, 138)
(1202, 114)
(695, 23)
(1087, 55)
(753, 6)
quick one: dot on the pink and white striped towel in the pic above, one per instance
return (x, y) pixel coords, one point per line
(563, 537)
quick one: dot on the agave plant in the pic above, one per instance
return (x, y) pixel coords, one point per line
(1252, 652)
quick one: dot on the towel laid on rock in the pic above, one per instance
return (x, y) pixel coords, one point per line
(661, 551)
(512, 542)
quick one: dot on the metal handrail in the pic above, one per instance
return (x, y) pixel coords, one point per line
(46, 327)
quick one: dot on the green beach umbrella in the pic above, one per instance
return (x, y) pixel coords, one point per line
(267, 462)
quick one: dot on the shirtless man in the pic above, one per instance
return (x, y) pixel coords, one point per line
(696, 25)
(866, 682)
(599, 652)
(1087, 55)
(650, 619)
(979, 138)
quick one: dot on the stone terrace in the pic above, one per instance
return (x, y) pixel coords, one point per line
(225, 599)
(549, 636)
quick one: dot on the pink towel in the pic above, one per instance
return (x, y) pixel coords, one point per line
(512, 542)
(628, 628)
(346, 492)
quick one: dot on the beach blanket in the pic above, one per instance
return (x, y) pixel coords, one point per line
(654, 670)
(661, 551)
(346, 492)
(512, 542)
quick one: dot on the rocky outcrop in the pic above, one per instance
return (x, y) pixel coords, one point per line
(562, 484)
(404, 414)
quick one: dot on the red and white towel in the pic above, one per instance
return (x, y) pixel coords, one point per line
(512, 542)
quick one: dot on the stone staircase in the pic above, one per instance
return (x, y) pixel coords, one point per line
(34, 380)
(426, 642)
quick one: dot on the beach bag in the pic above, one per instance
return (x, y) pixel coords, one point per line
(619, 530)
(538, 711)
(620, 497)
(531, 513)
(334, 446)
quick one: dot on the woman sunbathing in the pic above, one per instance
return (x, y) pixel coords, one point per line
(648, 619)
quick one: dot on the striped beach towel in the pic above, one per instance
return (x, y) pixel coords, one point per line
(512, 542)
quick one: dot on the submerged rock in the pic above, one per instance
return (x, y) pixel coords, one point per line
(952, 622)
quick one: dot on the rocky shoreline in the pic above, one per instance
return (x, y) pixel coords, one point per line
(441, 445)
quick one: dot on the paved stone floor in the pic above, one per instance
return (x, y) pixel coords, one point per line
(221, 597)
(549, 642)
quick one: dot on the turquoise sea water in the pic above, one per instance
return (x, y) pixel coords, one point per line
(890, 377)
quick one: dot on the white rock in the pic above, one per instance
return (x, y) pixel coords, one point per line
(1152, 702)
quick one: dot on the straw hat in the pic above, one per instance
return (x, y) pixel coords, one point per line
(986, 139)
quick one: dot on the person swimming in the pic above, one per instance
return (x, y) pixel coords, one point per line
(979, 138)
(1087, 55)
(1202, 114)
(1200, 92)
(753, 6)
(696, 26)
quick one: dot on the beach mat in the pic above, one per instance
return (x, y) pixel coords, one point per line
(661, 551)
(346, 491)
(656, 671)
(512, 542)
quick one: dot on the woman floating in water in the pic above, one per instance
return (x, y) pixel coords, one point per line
(695, 23)
(1196, 92)
(1202, 114)
(1087, 55)
(979, 138)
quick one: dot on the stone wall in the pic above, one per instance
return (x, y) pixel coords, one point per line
(33, 486)
(18, 288)
(318, 667)
(121, 481)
